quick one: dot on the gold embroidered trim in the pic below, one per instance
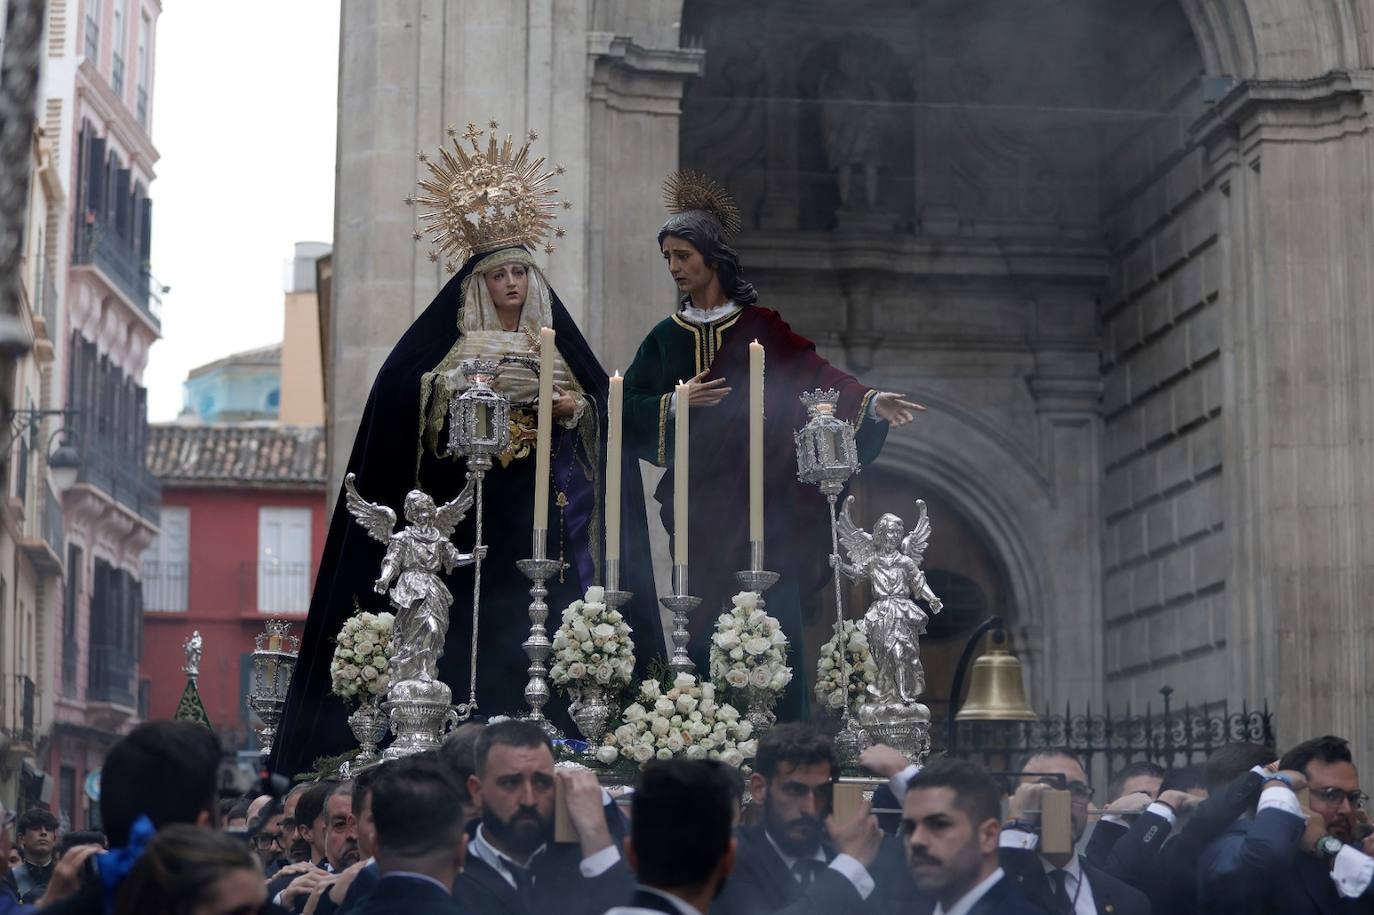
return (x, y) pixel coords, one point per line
(863, 408)
(698, 348)
(663, 429)
(718, 331)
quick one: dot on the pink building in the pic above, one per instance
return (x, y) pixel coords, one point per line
(98, 89)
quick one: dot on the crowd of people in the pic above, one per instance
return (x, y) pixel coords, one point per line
(489, 825)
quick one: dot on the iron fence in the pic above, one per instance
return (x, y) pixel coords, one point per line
(1108, 742)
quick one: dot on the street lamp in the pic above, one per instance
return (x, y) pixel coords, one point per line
(64, 461)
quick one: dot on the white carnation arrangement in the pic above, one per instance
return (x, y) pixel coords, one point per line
(862, 670)
(749, 648)
(684, 720)
(362, 652)
(592, 646)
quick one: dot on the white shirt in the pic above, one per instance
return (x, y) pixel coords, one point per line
(1075, 884)
(848, 867)
(592, 866)
(672, 900)
(972, 897)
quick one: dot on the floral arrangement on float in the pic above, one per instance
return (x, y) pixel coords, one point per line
(358, 671)
(593, 660)
(749, 657)
(830, 692)
(681, 717)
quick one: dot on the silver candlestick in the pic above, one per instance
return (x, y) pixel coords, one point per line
(615, 598)
(537, 569)
(827, 457)
(680, 603)
(479, 429)
(274, 659)
(756, 577)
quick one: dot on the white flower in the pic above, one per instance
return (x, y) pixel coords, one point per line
(686, 704)
(603, 631)
(737, 677)
(577, 670)
(760, 677)
(744, 729)
(604, 672)
(607, 755)
(643, 754)
(635, 713)
(369, 672)
(663, 706)
(726, 640)
(675, 743)
(748, 748)
(732, 758)
(695, 751)
(650, 690)
(665, 753)
(757, 645)
(596, 595)
(684, 681)
(659, 726)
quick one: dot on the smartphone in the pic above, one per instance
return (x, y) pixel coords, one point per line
(563, 830)
(1056, 822)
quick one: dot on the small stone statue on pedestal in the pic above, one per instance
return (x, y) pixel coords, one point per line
(890, 559)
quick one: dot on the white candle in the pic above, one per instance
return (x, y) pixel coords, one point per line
(680, 477)
(613, 445)
(756, 442)
(547, 348)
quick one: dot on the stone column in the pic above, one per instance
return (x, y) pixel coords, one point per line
(1291, 162)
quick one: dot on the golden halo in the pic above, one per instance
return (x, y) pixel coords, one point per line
(687, 190)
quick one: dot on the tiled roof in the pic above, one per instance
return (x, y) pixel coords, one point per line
(263, 355)
(256, 454)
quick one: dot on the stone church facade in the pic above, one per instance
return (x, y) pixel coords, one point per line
(1120, 248)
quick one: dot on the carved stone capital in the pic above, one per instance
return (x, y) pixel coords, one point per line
(628, 77)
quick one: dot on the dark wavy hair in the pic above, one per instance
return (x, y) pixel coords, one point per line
(702, 231)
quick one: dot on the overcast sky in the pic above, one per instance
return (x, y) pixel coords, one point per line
(244, 109)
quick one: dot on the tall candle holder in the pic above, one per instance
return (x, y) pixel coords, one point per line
(538, 569)
(274, 660)
(827, 457)
(756, 577)
(680, 603)
(615, 598)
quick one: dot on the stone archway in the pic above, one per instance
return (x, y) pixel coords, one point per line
(1278, 39)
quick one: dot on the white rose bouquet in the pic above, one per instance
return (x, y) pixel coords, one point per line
(362, 652)
(749, 648)
(592, 646)
(684, 720)
(862, 670)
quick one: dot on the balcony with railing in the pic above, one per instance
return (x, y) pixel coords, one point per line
(112, 676)
(99, 245)
(126, 480)
(18, 708)
(165, 585)
(274, 587)
(44, 540)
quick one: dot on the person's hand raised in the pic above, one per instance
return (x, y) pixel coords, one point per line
(706, 393)
(859, 837)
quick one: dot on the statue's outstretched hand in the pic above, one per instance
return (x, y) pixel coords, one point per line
(706, 393)
(895, 408)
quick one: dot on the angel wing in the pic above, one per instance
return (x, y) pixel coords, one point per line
(857, 542)
(914, 543)
(447, 516)
(378, 520)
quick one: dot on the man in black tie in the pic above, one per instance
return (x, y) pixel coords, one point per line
(784, 864)
(418, 814)
(680, 846)
(950, 823)
(1062, 884)
(514, 867)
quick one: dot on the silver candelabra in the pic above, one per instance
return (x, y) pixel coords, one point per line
(537, 569)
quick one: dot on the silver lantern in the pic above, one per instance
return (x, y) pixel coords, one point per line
(479, 418)
(826, 453)
(274, 660)
(827, 457)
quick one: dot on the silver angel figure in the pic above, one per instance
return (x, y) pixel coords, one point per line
(890, 559)
(414, 558)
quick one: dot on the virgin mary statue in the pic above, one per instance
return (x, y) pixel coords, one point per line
(489, 206)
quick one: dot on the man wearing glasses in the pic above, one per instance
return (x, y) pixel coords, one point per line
(1289, 857)
(1062, 884)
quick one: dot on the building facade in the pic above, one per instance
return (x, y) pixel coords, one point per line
(243, 524)
(98, 109)
(1120, 249)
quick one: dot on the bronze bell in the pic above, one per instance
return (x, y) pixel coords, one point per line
(995, 691)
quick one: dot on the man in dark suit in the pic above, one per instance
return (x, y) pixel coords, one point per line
(514, 867)
(1289, 858)
(1063, 883)
(950, 824)
(680, 845)
(785, 863)
(418, 812)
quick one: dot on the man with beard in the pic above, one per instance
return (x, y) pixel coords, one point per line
(37, 834)
(680, 846)
(950, 826)
(799, 860)
(514, 867)
(1294, 859)
(1063, 883)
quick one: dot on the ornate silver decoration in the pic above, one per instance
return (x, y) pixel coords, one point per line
(591, 711)
(615, 598)
(479, 429)
(760, 712)
(417, 700)
(193, 647)
(890, 560)
(680, 603)
(827, 457)
(368, 724)
(537, 569)
(274, 659)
